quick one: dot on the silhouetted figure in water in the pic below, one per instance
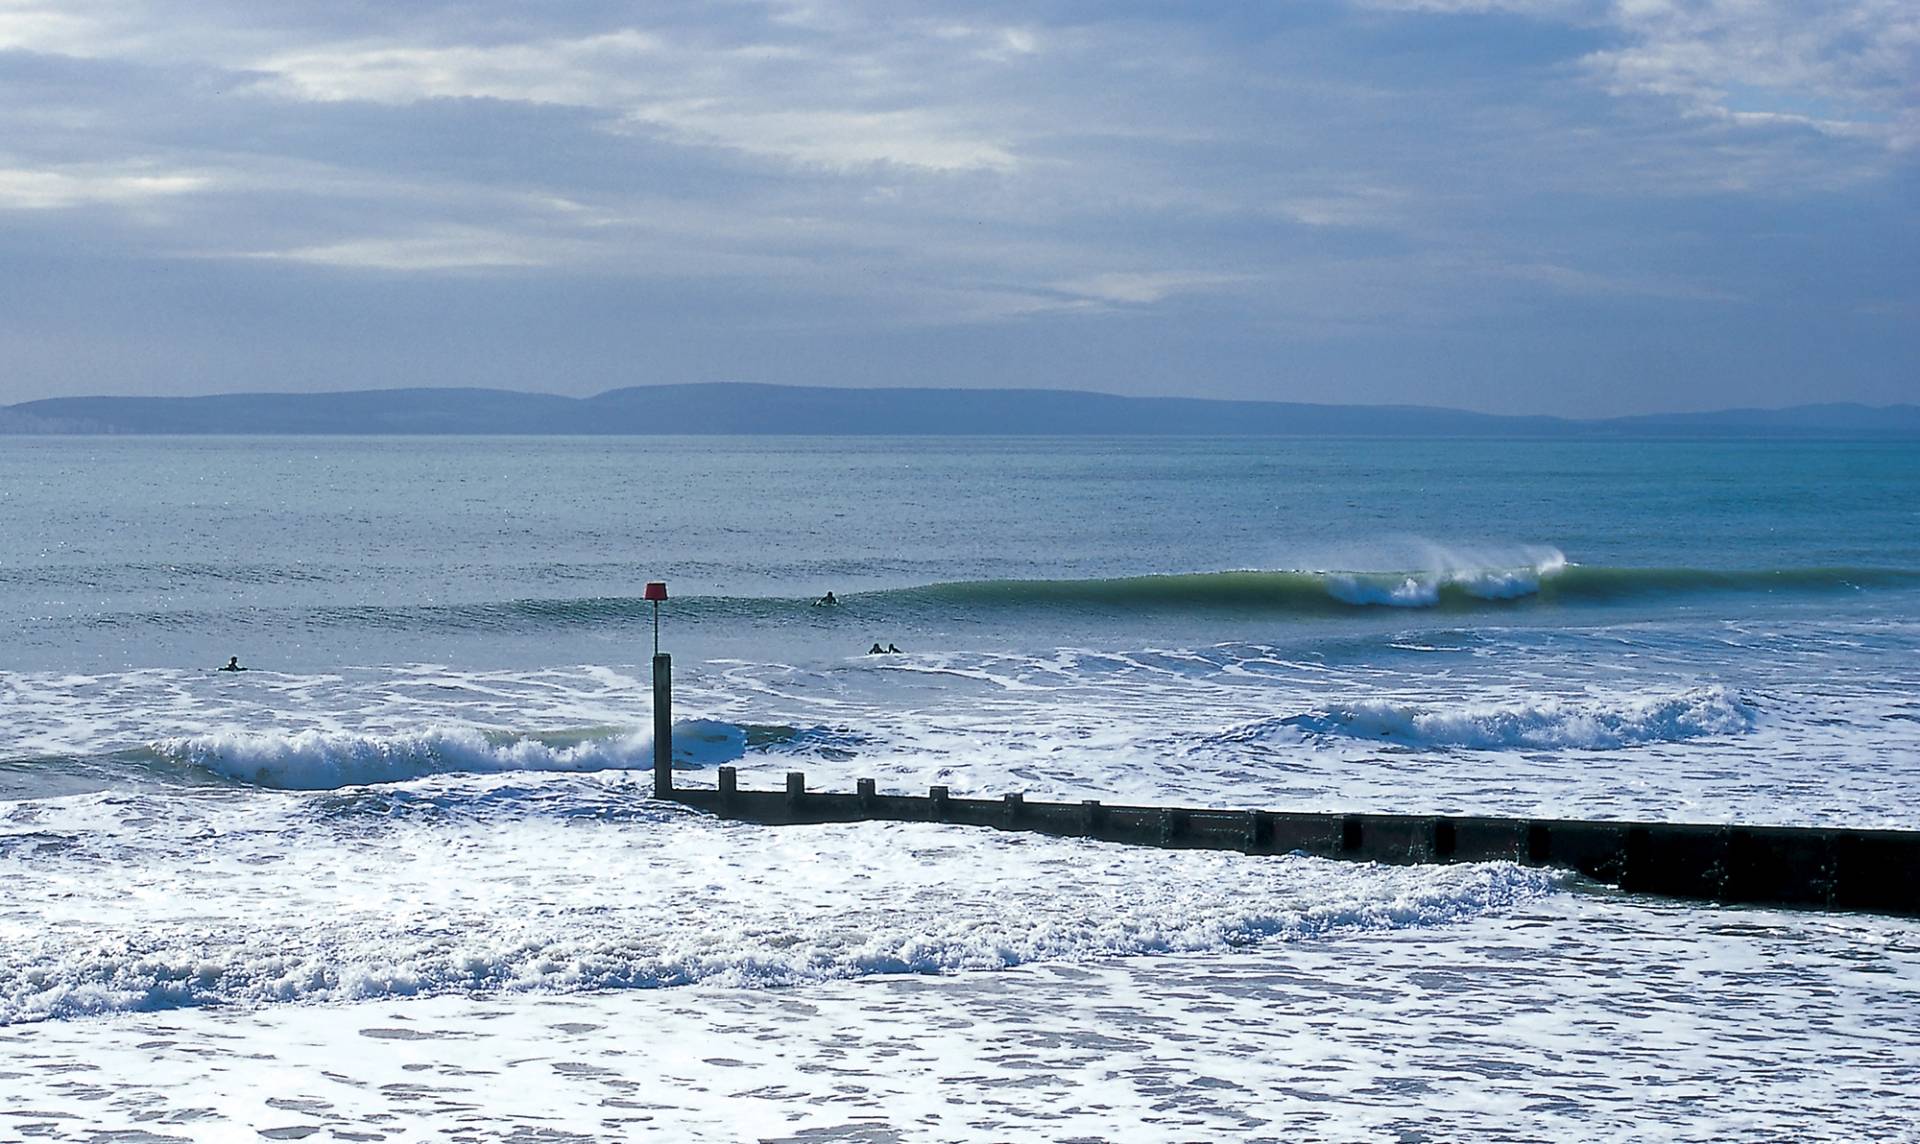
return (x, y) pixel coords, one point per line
(233, 664)
(876, 649)
(826, 601)
(891, 650)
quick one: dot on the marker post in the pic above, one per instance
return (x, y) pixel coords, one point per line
(662, 701)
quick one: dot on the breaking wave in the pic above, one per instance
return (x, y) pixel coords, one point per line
(1545, 578)
(324, 760)
(1548, 578)
(1549, 724)
(943, 923)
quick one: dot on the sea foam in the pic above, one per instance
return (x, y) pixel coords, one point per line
(1479, 578)
(323, 760)
(748, 908)
(1545, 724)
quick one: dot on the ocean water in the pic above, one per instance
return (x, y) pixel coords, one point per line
(402, 878)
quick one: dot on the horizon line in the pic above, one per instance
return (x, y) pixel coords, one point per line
(957, 389)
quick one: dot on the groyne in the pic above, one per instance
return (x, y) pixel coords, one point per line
(1808, 867)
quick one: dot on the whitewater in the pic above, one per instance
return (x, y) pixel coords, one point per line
(402, 876)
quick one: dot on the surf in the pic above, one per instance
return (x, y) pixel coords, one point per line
(328, 760)
(1552, 579)
(1547, 724)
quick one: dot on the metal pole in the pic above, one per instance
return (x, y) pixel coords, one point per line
(662, 725)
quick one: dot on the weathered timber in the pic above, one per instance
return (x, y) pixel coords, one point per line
(662, 719)
(1824, 868)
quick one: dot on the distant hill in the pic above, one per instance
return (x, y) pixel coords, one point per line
(738, 408)
(1829, 419)
(18, 423)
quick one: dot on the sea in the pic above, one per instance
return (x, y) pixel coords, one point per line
(402, 877)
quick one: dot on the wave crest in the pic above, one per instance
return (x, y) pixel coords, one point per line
(1479, 580)
(1549, 724)
(1451, 584)
(326, 760)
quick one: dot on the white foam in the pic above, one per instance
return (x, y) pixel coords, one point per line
(1495, 583)
(1545, 724)
(373, 907)
(324, 760)
(1483, 576)
(1404, 592)
(1500, 1027)
(1143, 724)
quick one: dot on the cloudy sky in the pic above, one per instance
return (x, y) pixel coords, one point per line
(1553, 206)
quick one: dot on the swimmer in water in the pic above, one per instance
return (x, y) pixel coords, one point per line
(233, 664)
(826, 601)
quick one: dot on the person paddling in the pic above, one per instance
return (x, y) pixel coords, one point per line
(233, 664)
(826, 601)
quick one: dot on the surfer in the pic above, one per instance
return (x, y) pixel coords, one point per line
(233, 664)
(876, 649)
(826, 601)
(891, 650)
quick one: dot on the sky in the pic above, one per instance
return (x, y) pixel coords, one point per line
(1518, 206)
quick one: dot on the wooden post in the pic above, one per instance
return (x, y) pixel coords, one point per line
(1636, 869)
(662, 725)
(1539, 843)
(1876, 870)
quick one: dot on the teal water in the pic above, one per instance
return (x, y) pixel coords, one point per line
(305, 553)
(423, 779)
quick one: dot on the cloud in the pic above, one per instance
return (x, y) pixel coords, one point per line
(834, 139)
(1352, 206)
(451, 249)
(1585, 282)
(56, 189)
(1144, 288)
(1543, 9)
(27, 26)
(593, 71)
(1839, 68)
(1016, 183)
(696, 93)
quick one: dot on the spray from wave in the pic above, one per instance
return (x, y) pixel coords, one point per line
(1447, 580)
(1548, 724)
(1547, 577)
(326, 760)
(1447, 572)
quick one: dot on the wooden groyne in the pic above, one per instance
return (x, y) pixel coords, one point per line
(1873, 870)
(1807, 867)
